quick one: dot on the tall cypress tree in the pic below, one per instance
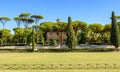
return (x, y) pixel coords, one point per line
(71, 39)
(115, 40)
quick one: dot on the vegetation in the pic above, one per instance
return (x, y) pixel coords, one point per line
(33, 41)
(37, 19)
(80, 31)
(71, 39)
(60, 27)
(3, 20)
(115, 39)
(60, 58)
(50, 50)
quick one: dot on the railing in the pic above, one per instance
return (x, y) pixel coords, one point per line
(56, 66)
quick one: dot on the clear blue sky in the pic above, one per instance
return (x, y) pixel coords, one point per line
(89, 11)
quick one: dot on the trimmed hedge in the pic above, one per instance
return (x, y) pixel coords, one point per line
(77, 50)
(60, 50)
(14, 50)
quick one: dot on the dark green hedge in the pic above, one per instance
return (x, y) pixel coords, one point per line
(60, 50)
(77, 50)
(14, 50)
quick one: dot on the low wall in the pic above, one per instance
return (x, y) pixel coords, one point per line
(56, 66)
(47, 47)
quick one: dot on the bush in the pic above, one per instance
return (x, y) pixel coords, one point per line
(53, 42)
(14, 50)
(77, 50)
(61, 50)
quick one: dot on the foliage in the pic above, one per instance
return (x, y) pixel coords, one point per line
(5, 36)
(58, 50)
(41, 37)
(118, 23)
(36, 18)
(79, 25)
(60, 26)
(89, 36)
(96, 28)
(18, 21)
(84, 33)
(25, 18)
(71, 39)
(3, 20)
(96, 33)
(115, 38)
(27, 21)
(33, 41)
(19, 35)
(53, 42)
(28, 34)
(107, 28)
(81, 38)
(47, 26)
(24, 15)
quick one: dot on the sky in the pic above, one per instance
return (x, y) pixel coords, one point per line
(89, 11)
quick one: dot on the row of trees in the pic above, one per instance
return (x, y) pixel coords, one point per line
(21, 34)
(77, 32)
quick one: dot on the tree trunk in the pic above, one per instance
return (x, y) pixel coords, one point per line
(2, 41)
(75, 33)
(61, 38)
(33, 41)
(25, 37)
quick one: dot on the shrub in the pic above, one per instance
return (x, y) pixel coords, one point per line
(60, 50)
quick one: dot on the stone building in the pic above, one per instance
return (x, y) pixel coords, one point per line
(59, 36)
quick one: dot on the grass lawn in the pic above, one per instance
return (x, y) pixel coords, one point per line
(61, 58)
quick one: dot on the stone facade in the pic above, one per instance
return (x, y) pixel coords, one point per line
(60, 36)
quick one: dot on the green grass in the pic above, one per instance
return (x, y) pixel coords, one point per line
(61, 58)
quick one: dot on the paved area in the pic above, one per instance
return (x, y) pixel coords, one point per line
(46, 47)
